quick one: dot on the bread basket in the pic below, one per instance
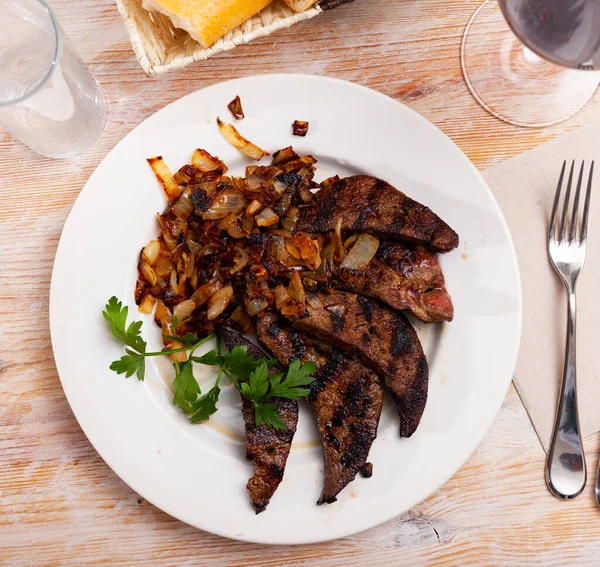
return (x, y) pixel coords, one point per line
(161, 47)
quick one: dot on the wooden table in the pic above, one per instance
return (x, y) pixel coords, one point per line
(61, 505)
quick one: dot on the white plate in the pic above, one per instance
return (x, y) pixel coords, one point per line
(198, 473)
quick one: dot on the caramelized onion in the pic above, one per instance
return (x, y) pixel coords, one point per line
(305, 194)
(281, 297)
(288, 224)
(254, 207)
(209, 249)
(174, 282)
(150, 252)
(361, 253)
(309, 250)
(338, 254)
(293, 250)
(193, 246)
(147, 273)
(298, 164)
(205, 162)
(162, 312)
(229, 201)
(232, 225)
(239, 183)
(164, 266)
(229, 132)
(296, 289)
(170, 242)
(267, 217)
(350, 241)
(183, 207)
(178, 356)
(286, 154)
(241, 261)
(189, 266)
(277, 249)
(219, 302)
(254, 181)
(300, 128)
(184, 309)
(235, 107)
(284, 203)
(241, 319)
(147, 304)
(247, 223)
(316, 277)
(205, 291)
(256, 306)
(165, 177)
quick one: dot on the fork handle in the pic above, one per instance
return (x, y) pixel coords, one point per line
(565, 468)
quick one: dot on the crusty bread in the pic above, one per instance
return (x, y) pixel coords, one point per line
(300, 5)
(207, 20)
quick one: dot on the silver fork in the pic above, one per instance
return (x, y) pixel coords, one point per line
(565, 467)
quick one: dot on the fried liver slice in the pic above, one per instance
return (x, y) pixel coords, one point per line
(346, 398)
(383, 338)
(267, 448)
(371, 205)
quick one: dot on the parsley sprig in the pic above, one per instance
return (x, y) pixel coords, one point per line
(253, 377)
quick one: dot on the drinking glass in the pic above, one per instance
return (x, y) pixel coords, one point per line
(544, 78)
(48, 98)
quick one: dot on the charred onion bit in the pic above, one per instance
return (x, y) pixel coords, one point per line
(300, 128)
(235, 107)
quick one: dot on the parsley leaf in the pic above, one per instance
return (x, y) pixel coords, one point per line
(257, 386)
(211, 358)
(185, 387)
(298, 375)
(206, 405)
(132, 363)
(239, 363)
(116, 315)
(267, 413)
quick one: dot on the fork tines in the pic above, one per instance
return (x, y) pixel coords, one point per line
(557, 231)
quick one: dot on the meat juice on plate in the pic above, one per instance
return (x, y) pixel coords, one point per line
(566, 32)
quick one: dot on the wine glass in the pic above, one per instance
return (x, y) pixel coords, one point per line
(544, 78)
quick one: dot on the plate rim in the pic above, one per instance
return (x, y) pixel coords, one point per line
(518, 297)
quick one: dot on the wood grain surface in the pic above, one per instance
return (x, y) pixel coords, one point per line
(61, 505)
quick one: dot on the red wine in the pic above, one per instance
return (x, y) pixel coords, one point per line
(566, 32)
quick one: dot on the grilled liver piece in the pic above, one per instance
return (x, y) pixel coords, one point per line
(267, 448)
(404, 278)
(367, 204)
(346, 399)
(384, 339)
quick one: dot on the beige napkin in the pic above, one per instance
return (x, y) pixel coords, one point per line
(525, 187)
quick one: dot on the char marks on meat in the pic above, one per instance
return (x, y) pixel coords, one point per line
(267, 448)
(368, 204)
(405, 279)
(384, 339)
(346, 398)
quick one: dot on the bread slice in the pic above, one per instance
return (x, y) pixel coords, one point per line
(300, 5)
(207, 20)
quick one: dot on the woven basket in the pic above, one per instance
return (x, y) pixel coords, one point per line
(161, 47)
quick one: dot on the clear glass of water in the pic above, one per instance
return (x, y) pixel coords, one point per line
(533, 62)
(48, 98)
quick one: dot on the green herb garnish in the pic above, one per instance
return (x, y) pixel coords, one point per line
(247, 374)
